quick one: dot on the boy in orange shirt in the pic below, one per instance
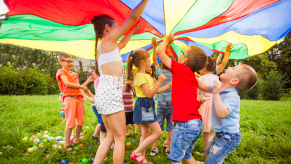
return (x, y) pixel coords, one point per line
(73, 100)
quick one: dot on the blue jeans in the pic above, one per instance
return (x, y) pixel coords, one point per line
(165, 111)
(184, 137)
(221, 146)
(99, 118)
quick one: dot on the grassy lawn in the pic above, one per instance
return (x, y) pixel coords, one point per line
(265, 128)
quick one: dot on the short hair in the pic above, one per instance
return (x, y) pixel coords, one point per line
(64, 55)
(247, 78)
(171, 57)
(196, 58)
(210, 64)
(90, 73)
(127, 87)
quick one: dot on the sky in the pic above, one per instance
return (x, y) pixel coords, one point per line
(3, 8)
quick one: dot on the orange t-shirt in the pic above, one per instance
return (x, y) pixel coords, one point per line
(73, 78)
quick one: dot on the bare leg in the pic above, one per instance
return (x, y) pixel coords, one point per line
(127, 129)
(139, 128)
(207, 136)
(157, 132)
(97, 130)
(191, 161)
(133, 128)
(68, 132)
(155, 144)
(115, 132)
(102, 136)
(169, 140)
(77, 134)
(63, 119)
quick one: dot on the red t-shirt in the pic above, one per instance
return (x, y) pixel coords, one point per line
(73, 78)
(184, 93)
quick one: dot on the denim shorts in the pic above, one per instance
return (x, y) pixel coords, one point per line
(144, 111)
(99, 118)
(221, 146)
(165, 111)
(184, 137)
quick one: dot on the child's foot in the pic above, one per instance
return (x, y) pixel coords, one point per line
(203, 154)
(135, 132)
(70, 149)
(139, 158)
(96, 138)
(78, 143)
(165, 144)
(106, 157)
(154, 152)
(167, 152)
(127, 134)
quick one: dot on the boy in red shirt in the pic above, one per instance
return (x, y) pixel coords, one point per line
(73, 101)
(184, 99)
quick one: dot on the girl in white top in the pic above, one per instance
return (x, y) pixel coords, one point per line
(108, 97)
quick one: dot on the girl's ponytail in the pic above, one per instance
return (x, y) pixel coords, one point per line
(129, 67)
(96, 50)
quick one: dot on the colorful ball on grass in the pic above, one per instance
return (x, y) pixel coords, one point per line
(46, 132)
(24, 141)
(46, 136)
(0, 153)
(35, 144)
(60, 132)
(76, 148)
(64, 161)
(48, 157)
(30, 150)
(90, 148)
(81, 137)
(55, 146)
(128, 144)
(41, 146)
(133, 142)
(81, 134)
(27, 135)
(34, 148)
(92, 160)
(33, 137)
(45, 140)
(85, 160)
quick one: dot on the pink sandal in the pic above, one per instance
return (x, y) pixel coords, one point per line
(133, 156)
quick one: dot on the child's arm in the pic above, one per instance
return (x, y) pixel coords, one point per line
(126, 39)
(161, 50)
(132, 86)
(87, 81)
(220, 109)
(168, 50)
(164, 88)
(155, 44)
(87, 97)
(150, 93)
(220, 68)
(127, 24)
(202, 86)
(71, 85)
(89, 93)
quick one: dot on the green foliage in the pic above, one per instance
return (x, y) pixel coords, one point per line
(252, 94)
(26, 82)
(273, 86)
(265, 128)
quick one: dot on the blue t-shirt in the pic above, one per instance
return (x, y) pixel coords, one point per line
(231, 100)
(167, 95)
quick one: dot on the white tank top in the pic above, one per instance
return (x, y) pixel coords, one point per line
(113, 56)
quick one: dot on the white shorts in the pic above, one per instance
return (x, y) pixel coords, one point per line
(108, 95)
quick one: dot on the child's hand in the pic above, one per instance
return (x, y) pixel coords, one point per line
(170, 38)
(60, 98)
(82, 92)
(217, 87)
(137, 27)
(228, 48)
(162, 78)
(168, 47)
(154, 42)
(84, 87)
(91, 78)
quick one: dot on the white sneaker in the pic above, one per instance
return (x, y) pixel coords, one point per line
(154, 152)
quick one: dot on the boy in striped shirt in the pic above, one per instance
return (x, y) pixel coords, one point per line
(127, 97)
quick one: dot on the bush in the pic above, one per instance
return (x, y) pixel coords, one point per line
(252, 94)
(26, 82)
(272, 88)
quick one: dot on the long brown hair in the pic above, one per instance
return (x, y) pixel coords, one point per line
(134, 59)
(99, 23)
(210, 64)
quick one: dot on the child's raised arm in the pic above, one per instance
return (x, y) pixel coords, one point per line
(71, 85)
(220, 67)
(150, 93)
(161, 50)
(220, 109)
(164, 88)
(126, 39)
(126, 25)
(155, 44)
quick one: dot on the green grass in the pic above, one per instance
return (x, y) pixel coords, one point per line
(265, 128)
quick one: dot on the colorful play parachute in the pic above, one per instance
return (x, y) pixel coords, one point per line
(253, 26)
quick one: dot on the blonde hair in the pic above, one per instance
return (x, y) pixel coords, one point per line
(247, 78)
(135, 59)
(64, 55)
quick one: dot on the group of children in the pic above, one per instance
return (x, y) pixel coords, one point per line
(176, 91)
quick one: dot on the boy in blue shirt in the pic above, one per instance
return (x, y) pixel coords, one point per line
(225, 110)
